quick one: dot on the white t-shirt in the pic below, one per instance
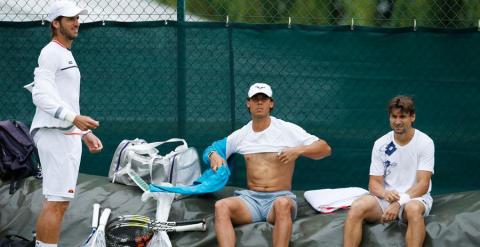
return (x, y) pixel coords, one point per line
(278, 136)
(399, 164)
(56, 89)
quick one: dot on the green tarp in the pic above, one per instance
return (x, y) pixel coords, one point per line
(453, 221)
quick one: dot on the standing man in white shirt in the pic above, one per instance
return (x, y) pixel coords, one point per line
(57, 127)
(400, 178)
(270, 147)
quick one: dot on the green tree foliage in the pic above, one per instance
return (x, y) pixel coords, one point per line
(314, 12)
(380, 13)
(406, 11)
(362, 11)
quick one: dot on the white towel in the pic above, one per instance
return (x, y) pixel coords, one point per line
(329, 200)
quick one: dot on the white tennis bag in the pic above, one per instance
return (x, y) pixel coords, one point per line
(180, 166)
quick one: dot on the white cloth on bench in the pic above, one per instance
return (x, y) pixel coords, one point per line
(329, 200)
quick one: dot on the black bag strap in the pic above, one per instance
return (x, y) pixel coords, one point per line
(13, 236)
(170, 178)
(13, 240)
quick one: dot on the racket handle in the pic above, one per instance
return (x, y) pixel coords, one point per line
(96, 212)
(104, 218)
(194, 227)
(187, 222)
(177, 223)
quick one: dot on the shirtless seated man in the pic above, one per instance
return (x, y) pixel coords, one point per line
(270, 147)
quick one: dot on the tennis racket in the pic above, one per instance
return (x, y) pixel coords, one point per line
(137, 230)
(99, 236)
(96, 211)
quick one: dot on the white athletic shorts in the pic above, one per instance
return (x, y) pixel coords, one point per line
(60, 156)
(426, 200)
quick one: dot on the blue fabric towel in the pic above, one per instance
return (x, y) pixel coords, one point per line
(209, 182)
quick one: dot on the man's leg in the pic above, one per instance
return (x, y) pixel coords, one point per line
(230, 211)
(413, 215)
(281, 218)
(49, 221)
(365, 208)
(60, 156)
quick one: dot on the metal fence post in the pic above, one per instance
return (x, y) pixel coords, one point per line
(181, 87)
(231, 77)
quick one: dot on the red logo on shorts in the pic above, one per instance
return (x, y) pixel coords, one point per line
(70, 191)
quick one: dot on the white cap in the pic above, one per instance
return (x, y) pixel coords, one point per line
(260, 88)
(64, 8)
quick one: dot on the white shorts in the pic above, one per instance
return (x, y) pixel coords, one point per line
(60, 156)
(426, 200)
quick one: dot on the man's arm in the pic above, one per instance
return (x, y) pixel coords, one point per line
(93, 142)
(317, 150)
(45, 94)
(424, 172)
(215, 154)
(420, 188)
(417, 190)
(375, 186)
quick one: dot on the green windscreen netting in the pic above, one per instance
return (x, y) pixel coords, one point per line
(157, 80)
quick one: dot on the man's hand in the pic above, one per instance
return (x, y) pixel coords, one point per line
(93, 143)
(391, 213)
(216, 161)
(289, 155)
(85, 122)
(391, 196)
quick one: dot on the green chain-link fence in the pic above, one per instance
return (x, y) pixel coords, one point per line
(157, 80)
(385, 13)
(380, 13)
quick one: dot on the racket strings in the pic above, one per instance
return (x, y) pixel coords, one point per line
(139, 230)
(128, 234)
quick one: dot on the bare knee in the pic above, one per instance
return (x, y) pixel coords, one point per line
(361, 207)
(229, 209)
(283, 207)
(221, 208)
(413, 212)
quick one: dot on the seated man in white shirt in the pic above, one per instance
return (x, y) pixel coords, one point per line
(270, 147)
(400, 171)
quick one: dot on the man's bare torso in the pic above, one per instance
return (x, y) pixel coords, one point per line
(265, 172)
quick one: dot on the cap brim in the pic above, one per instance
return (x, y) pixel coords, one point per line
(259, 93)
(74, 12)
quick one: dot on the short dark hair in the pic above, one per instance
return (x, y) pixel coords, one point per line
(406, 104)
